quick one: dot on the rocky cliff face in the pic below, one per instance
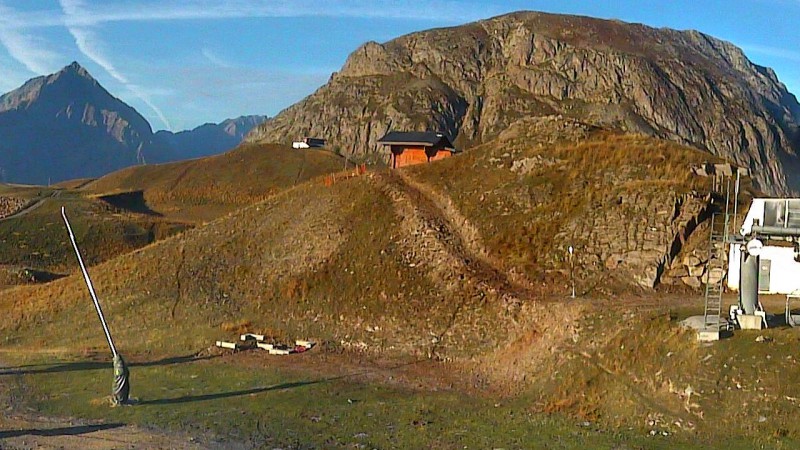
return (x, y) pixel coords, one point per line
(66, 125)
(473, 81)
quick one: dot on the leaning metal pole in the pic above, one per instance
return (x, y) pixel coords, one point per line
(121, 386)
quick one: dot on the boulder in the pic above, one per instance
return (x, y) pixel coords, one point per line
(713, 276)
(693, 282)
(647, 279)
(691, 260)
(696, 271)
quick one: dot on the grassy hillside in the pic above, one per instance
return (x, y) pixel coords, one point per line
(434, 263)
(204, 188)
(37, 240)
(437, 269)
(547, 184)
(134, 207)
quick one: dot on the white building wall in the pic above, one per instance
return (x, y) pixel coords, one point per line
(784, 270)
(785, 213)
(734, 264)
(756, 212)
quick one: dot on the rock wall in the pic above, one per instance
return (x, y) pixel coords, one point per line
(10, 205)
(640, 237)
(690, 268)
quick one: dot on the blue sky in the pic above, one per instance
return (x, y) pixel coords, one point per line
(182, 63)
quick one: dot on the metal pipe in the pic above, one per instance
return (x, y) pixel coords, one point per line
(89, 283)
(748, 283)
(775, 231)
(727, 210)
(786, 213)
(572, 269)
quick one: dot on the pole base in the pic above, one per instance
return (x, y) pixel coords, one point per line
(121, 389)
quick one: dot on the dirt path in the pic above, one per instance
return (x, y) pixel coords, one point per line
(29, 432)
(441, 241)
(470, 236)
(32, 207)
(451, 247)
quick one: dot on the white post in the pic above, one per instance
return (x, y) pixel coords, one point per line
(736, 196)
(572, 269)
(89, 283)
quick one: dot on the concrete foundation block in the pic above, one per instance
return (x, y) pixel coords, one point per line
(708, 335)
(251, 336)
(229, 345)
(750, 322)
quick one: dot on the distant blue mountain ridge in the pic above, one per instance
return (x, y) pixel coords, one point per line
(66, 125)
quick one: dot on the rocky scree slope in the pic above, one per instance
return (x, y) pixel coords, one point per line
(473, 81)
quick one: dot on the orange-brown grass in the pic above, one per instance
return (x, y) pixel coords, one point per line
(24, 191)
(38, 240)
(183, 193)
(73, 184)
(330, 261)
(245, 267)
(239, 327)
(219, 184)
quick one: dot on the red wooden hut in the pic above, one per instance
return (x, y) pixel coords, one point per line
(416, 147)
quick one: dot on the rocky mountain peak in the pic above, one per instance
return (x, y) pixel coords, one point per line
(474, 81)
(74, 69)
(241, 125)
(210, 138)
(66, 125)
(70, 84)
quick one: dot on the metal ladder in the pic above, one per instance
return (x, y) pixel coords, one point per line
(717, 247)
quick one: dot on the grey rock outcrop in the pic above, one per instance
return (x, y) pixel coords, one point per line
(10, 205)
(473, 81)
(639, 250)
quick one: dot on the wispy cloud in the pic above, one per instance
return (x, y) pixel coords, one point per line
(775, 52)
(216, 59)
(27, 49)
(10, 76)
(150, 10)
(84, 19)
(91, 46)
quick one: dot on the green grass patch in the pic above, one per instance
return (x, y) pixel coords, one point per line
(279, 407)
